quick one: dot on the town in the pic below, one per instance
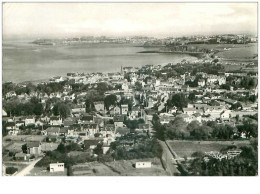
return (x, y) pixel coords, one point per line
(154, 41)
(154, 120)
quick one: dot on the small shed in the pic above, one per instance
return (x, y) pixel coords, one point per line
(143, 165)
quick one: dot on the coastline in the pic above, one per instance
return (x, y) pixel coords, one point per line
(195, 54)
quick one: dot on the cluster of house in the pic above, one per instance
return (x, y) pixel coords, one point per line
(148, 95)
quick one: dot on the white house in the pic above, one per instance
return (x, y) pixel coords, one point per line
(29, 121)
(125, 86)
(57, 167)
(189, 111)
(225, 116)
(55, 121)
(124, 109)
(99, 106)
(4, 114)
(201, 82)
(118, 121)
(143, 165)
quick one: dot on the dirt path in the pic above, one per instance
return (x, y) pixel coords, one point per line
(168, 160)
(28, 168)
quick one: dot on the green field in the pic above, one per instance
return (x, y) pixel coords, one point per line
(187, 148)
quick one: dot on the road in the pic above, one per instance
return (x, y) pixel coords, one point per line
(28, 168)
(169, 160)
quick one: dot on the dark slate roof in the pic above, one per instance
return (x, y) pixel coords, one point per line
(19, 121)
(53, 129)
(87, 118)
(20, 155)
(89, 142)
(123, 130)
(33, 144)
(64, 130)
(90, 125)
(54, 118)
(68, 122)
(10, 124)
(109, 127)
(118, 118)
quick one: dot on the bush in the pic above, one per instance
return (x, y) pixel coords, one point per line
(11, 170)
(11, 154)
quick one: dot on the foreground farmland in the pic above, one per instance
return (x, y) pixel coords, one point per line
(119, 168)
(186, 148)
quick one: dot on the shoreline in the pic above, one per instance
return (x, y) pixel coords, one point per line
(194, 54)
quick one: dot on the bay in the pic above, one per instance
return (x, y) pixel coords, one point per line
(23, 61)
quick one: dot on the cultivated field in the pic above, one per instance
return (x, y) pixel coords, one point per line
(119, 168)
(187, 148)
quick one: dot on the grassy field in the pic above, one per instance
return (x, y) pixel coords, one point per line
(24, 138)
(92, 169)
(119, 168)
(15, 147)
(41, 171)
(187, 148)
(19, 166)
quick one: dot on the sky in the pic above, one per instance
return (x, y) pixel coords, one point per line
(61, 20)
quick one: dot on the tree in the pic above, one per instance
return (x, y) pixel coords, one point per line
(252, 98)
(223, 132)
(11, 170)
(98, 150)
(133, 124)
(24, 148)
(244, 164)
(198, 131)
(179, 100)
(193, 125)
(89, 105)
(4, 131)
(177, 128)
(138, 86)
(71, 147)
(110, 100)
(225, 86)
(250, 129)
(236, 106)
(215, 60)
(159, 129)
(61, 109)
(61, 148)
(192, 97)
(38, 109)
(64, 110)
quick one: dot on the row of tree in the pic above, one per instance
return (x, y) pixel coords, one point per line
(179, 129)
(35, 107)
